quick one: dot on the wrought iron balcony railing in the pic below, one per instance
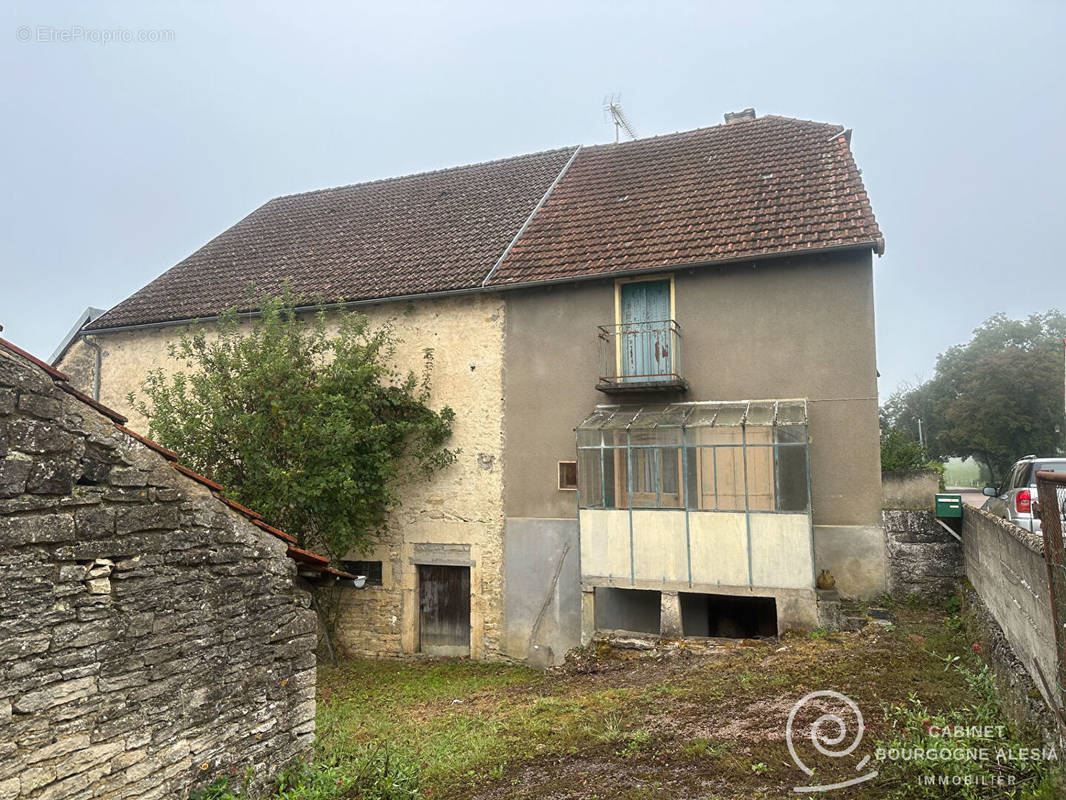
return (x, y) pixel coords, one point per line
(640, 357)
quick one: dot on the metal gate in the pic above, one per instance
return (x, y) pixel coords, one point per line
(444, 610)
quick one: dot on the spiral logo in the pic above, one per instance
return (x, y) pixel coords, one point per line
(829, 735)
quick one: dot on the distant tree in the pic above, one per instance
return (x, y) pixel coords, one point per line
(900, 453)
(305, 422)
(995, 398)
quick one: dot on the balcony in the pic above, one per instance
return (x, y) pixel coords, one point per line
(640, 357)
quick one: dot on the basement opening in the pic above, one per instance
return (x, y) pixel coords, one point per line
(635, 610)
(727, 616)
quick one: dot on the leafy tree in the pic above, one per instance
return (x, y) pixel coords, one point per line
(995, 398)
(306, 424)
(899, 453)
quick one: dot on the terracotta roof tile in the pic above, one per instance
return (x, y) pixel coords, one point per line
(753, 188)
(431, 232)
(242, 509)
(169, 455)
(307, 557)
(196, 476)
(55, 373)
(114, 416)
(339, 573)
(312, 560)
(770, 185)
(276, 531)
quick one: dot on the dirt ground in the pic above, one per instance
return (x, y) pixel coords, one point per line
(708, 721)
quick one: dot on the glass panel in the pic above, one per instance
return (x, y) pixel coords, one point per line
(609, 417)
(598, 418)
(692, 478)
(701, 415)
(729, 464)
(670, 471)
(791, 478)
(654, 436)
(589, 437)
(796, 434)
(761, 414)
(615, 475)
(760, 464)
(645, 478)
(793, 412)
(716, 435)
(589, 478)
(732, 414)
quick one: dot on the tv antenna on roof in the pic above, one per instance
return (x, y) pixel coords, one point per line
(612, 112)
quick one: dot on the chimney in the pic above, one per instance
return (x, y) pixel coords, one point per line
(739, 116)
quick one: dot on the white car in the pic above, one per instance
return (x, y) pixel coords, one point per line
(1014, 501)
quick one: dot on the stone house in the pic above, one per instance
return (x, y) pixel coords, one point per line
(698, 307)
(153, 636)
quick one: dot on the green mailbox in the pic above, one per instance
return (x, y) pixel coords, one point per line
(949, 506)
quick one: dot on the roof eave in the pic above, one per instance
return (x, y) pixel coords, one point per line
(876, 245)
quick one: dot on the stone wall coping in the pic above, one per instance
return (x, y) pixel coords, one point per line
(1029, 540)
(313, 560)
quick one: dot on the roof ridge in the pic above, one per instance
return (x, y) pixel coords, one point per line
(424, 173)
(737, 124)
(772, 184)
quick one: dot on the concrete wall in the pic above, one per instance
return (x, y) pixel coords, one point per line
(460, 507)
(636, 610)
(1006, 566)
(914, 489)
(543, 609)
(151, 639)
(709, 549)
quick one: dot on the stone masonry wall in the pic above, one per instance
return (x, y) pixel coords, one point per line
(923, 558)
(460, 507)
(150, 637)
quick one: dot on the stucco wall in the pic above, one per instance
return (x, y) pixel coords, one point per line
(461, 505)
(800, 327)
(913, 489)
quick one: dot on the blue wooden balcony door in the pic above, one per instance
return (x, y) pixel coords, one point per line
(645, 331)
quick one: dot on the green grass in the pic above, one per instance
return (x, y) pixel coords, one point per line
(690, 725)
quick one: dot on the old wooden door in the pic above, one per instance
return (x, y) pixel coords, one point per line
(645, 331)
(444, 610)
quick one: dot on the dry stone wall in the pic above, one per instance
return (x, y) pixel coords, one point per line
(150, 638)
(924, 560)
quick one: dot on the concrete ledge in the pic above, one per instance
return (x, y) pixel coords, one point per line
(1030, 541)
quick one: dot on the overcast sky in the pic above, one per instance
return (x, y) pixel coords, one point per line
(121, 158)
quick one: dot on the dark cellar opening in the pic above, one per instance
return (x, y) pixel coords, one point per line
(727, 615)
(635, 610)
